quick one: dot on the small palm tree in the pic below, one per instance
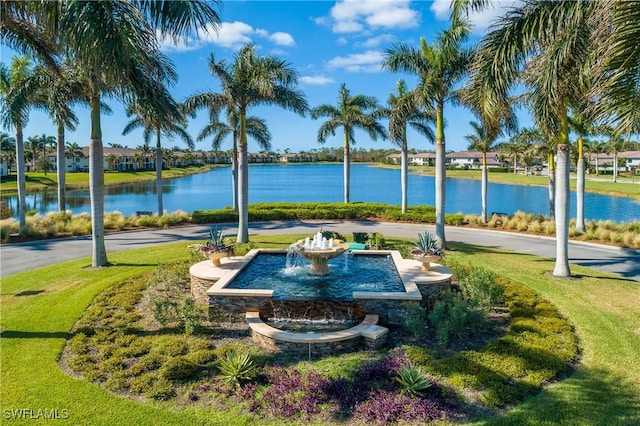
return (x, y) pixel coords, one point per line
(158, 117)
(481, 141)
(16, 102)
(218, 130)
(403, 111)
(351, 113)
(250, 80)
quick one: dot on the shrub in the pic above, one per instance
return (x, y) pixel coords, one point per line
(416, 320)
(360, 237)
(179, 368)
(236, 368)
(190, 316)
(480, 289)
(385, 407)
(450, 317)
(413, 380)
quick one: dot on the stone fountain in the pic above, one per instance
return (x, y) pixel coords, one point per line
(319, 250)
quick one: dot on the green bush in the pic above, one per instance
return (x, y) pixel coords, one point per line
(190, 315)
(179, 368)
(480, 289)
(416, 320)
(360, 237)
(451, 316)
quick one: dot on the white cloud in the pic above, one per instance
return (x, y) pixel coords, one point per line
(352, 15)
(233, 34)
(282, 39)
(316, 80)
(377, 41)
(342, 40)
(230, 35)
(481, 20)
(368, 61)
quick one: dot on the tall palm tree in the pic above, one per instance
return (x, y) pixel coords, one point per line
(614, 145)
(351, 113)
(403, 111)
(16, 102)
(32, 146)
(546, 46)
(116, 44)
(45, 144)
(439, 67)
(59, 90)
(249, 81)
(167, 120)
(219, 130)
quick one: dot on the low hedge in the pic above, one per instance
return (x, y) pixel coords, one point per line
(318, 211)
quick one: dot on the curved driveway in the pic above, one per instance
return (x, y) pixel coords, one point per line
(26, 256)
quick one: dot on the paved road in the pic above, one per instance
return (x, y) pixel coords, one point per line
(26, 256)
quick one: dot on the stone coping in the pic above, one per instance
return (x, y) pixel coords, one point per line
(367, 328)
(410, 271)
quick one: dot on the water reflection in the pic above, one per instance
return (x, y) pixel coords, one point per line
(312, 182)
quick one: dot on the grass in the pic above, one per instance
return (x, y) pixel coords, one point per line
(625, 187)
(39, 180)
(41, 306)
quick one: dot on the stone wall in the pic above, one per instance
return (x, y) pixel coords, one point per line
(199, 289)
(313, 350)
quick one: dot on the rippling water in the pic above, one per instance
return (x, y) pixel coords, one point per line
(323, 182)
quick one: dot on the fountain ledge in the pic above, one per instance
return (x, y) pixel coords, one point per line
(368, 328)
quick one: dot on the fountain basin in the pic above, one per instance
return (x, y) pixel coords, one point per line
(213, 287)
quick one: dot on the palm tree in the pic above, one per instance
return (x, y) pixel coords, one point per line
(251, 80)
(403, 111)
(59, 90)
(483, 141)
(546, 46)
(8, 149)
(614, 145)
(16, 102)
(32, 145)
(351, 113)
(439, 67)
(116, 44)
(582, 128)
(218, 130)
(45, 144)
(167, 120)
(73, 150)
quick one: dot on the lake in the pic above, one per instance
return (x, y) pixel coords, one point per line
(323, 182)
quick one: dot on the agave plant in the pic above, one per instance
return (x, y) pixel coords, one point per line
(236, 368)
(427, 245)
(413, 380)
(215, 243)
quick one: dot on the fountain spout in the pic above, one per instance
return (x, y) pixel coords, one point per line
(319, 251)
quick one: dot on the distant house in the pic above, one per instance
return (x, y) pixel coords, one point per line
(421, 159)
(116, 159)
(472, 159)
(632, 160)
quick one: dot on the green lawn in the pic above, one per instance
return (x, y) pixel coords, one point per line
(39, 180)
(41, 306)
(625, 187)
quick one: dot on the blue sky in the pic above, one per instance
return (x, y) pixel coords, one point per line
(327, 42)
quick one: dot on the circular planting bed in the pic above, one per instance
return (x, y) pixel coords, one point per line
(475, 351)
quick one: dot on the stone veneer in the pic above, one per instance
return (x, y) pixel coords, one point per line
(208, 287)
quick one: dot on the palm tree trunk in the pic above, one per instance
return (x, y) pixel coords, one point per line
(96, 186)
(347, 166)
(484, 187)
(234, 173)
(580, 227)
(159, 172)
(552, 185)
(20, 170)
(615, 166)
(561, 268)
(243, 183)
(440, 177)
(403, 175)
(62, 169)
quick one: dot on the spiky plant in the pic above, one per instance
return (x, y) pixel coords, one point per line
(236, 368)
(413, 380)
